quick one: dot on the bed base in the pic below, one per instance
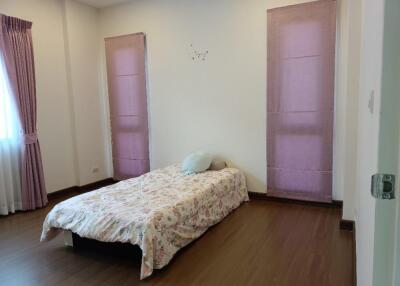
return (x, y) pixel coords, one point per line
(68, 238)
(115, 249)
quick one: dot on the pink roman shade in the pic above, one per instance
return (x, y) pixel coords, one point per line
(300, 112)
(128, 105)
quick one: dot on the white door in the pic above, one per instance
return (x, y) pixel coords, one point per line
(379, 108)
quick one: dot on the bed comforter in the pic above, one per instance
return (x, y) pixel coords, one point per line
(161, 211)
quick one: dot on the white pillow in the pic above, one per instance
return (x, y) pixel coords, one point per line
(196, 162)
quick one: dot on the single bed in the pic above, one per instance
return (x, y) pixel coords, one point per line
(161, 211)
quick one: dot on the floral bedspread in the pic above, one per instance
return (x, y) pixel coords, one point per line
(161, 211)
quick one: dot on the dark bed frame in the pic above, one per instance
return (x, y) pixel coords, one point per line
(115, 249)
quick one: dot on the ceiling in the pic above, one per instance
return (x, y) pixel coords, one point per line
(102, 3)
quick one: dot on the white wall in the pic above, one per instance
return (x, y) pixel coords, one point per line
(73, 128)
(347, 90)
(83, 51)
(219, 104)
(68, 104)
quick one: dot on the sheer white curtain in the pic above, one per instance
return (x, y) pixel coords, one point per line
(10, 144)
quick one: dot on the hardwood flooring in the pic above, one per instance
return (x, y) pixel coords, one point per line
(261, 243)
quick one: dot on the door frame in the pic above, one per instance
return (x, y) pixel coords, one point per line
(396, 262)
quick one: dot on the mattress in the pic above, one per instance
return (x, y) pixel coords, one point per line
(161, 211)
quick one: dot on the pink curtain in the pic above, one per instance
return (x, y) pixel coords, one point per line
(301, 67)
(16, 45)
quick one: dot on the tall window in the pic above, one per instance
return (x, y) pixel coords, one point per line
(301, 69)
(126, 75)
(10, 148)
(8, 116)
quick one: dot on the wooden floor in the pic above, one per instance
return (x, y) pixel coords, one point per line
(261, 243)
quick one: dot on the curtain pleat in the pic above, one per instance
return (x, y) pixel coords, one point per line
(16, 44)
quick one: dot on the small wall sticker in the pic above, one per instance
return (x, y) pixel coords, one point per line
(198, 55)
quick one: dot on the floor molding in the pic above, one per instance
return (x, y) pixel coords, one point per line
(81, 189)
(62, 193)
(347, 224)
(263, 196)
(354, 256)
(97, 185)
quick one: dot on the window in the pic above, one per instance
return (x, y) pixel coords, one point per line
(8, 116)
(300, 101)
(126, 74)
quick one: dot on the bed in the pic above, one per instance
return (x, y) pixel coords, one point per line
(161, 211)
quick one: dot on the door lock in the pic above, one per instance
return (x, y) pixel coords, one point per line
(383, 186)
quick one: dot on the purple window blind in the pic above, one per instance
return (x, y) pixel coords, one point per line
(301, 68)
(128, 105)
